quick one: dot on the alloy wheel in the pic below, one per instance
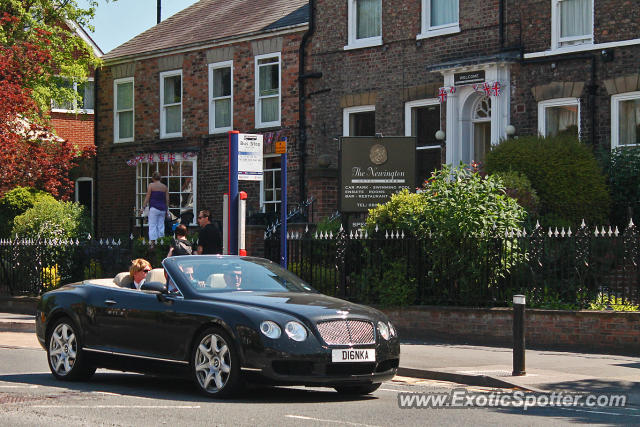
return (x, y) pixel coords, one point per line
(63, 349)
(212, 363)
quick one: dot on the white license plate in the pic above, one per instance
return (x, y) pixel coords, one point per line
(353, 355)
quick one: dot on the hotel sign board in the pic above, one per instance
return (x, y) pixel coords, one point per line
(374, 168)
(469, 77)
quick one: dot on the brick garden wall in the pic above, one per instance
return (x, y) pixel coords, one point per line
(611, 332)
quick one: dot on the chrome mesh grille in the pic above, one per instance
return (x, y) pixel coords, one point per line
(345, 331)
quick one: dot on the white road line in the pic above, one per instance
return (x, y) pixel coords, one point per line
(18, 386)
(300, 417)
(115, 406)
(600, 412)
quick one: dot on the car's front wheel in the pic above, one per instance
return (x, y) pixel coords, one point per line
(215, 363)
(67, 360)
(358, 389)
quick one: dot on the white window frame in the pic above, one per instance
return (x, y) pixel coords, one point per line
(75, 101)
(558, 102)
(351, 110)
(556, 22)
(615, 116)
(353, 42)
(263, 203)
(258, 98)
(116, 118)
(407, 117)
(427, 30)
(85, 179)
(212, 109)
(163, 120)
(152, 167)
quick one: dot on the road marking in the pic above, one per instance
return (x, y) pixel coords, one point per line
(18, 386)
(300, 417)
(600, 412)
(116, 406)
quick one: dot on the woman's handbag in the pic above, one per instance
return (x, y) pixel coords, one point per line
(145, 211)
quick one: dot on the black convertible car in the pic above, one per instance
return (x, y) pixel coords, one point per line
(222, 320)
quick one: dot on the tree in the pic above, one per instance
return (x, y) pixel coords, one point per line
(70, 57)
(38, 48)
(30, 155)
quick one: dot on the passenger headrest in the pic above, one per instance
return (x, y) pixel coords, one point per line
(123, 279)
(156, 275)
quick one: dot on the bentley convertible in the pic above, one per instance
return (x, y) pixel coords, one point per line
(222, 320)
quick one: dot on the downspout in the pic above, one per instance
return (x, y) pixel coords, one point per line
(96, 211)
(302, 118)
(501, 24)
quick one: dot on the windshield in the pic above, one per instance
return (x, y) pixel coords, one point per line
(217, 273)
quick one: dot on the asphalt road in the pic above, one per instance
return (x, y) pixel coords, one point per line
(30, 396)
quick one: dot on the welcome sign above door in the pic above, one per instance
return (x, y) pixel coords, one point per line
(460, 79)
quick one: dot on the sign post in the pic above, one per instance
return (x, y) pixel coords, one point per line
(281, 148)
(232, 234)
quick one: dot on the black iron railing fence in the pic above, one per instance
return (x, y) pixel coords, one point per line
(554, 268)
(29, 267)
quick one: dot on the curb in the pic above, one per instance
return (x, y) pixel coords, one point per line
(473, 380)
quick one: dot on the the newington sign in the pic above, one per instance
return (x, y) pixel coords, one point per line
(373, 168)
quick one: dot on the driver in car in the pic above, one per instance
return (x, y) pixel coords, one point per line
(233, 278)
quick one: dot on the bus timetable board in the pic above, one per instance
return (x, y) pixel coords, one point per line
(374, 168)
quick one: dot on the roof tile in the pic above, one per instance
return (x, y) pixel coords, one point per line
(211, 20)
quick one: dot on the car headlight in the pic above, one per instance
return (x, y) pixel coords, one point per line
(384, 330)
(270, 329)
(296, 331)
(392, 330)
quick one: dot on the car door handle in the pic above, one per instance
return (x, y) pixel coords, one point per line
(109, 302)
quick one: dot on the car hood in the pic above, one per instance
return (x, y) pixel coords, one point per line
(311, 305)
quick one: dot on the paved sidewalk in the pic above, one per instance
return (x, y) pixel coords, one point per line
(465, 364)
(546, 370)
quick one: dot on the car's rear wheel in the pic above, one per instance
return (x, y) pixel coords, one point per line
(67, 360)
(358, 389)
(215, 364)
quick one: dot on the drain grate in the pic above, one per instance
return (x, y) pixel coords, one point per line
(9, 398)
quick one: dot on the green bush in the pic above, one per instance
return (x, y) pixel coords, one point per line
(564, 173)
(623, 170)
(17, 202)
(453, 202)
(52, 219)
(518, 187)
(461, 215)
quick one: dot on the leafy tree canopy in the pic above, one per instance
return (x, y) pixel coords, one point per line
(49, 25)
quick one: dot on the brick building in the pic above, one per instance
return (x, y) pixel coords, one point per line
(474, 70)
(168, 97)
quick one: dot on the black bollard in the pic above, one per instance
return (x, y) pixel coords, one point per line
(518, 335)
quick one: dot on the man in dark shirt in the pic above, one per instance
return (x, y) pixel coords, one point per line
(209, 237)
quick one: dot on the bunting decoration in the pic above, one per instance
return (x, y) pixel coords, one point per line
(496, 89)
(161, 157)
(489, 89)
(442, 95)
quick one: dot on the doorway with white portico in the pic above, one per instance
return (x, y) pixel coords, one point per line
(477, 110)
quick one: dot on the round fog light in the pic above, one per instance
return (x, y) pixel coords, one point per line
(296, 331)
(270, 329)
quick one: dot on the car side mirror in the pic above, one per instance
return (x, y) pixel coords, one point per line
(154, 286)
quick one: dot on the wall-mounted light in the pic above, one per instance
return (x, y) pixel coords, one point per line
(510, 130)
(440, 135)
